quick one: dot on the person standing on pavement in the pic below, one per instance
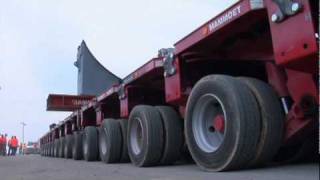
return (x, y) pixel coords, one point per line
(4, 150)
(20, 148)
(2, 145)
(9, 145)
(14, 145)
(24, 148)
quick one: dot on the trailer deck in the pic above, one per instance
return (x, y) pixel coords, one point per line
(254, 45)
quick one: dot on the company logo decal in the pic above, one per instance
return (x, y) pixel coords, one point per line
(222, 19)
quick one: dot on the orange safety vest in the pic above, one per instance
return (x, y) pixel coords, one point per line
(14, 142)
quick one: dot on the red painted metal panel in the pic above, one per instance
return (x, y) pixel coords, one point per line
(304, 91)
(146, 68)
(59, 102)
(301, 84)
(277, 78)
(68, 128)
(139, 74)
(124, 108)
(108, 93)
(294, 38)
(99, 117)
(297, 125)
(173, 85)
(90, 104)
(209, 28)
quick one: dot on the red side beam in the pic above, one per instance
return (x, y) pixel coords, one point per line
(62, 102)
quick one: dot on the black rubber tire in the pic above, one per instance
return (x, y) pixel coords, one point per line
(241, 128)
(68, 146)
(152, 141)
(173, 135)
(124, 148)
(45, 150)
(51, 149)
(61, 147)
(185, 154)
(56, 147)
(48, 149)
(90, 144)
(110, 141)
(271, 118)
(99, 129)
(77, 151)
(42, 149)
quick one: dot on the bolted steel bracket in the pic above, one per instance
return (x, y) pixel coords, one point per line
(168, 61)
(286, 8)
(52, 126)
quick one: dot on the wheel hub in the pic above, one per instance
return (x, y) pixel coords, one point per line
(208, 123)
(136, 136)
(218, 123)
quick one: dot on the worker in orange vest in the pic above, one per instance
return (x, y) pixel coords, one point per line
(2, 145)
(14, 145)
(5, 144)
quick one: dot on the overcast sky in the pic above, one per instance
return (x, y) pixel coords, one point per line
(39, 39)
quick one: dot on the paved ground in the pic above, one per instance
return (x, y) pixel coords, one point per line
(34, 167)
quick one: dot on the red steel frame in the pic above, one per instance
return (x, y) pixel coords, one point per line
(247, 43)
(62, 102)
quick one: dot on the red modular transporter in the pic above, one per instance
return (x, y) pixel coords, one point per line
(238, 92)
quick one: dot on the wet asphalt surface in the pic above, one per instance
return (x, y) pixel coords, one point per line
(35, 167)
